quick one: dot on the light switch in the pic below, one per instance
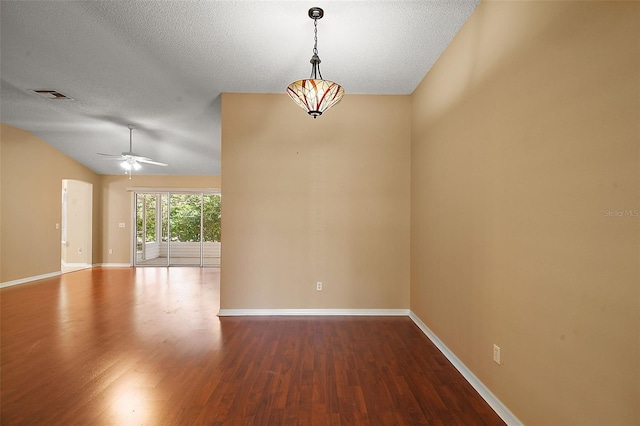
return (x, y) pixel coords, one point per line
(121, 224)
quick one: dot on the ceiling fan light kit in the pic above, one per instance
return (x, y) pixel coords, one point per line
(129, 160)
(315, 95)
(130, 164)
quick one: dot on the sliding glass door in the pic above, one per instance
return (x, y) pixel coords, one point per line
(211, 216)
(177, 229)
(150, 217)
(185, 229)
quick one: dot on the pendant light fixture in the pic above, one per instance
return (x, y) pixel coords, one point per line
(315, 95)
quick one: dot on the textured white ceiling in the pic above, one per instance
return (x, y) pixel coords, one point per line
(162, 66)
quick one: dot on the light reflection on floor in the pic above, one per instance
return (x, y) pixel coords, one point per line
(188, 308)
(117, 329)
(132, 405)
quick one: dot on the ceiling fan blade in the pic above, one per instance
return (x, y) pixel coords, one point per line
(138, 157)
(149, 161)
(129, 159)
(132, 154)
(111, 156)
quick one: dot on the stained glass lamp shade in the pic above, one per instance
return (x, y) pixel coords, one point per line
(315, 96)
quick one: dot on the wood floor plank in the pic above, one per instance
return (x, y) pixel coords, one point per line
(124, 346)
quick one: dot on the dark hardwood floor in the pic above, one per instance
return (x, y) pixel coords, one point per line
(144, 347)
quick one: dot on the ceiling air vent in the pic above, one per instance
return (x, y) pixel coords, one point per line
(53, 95)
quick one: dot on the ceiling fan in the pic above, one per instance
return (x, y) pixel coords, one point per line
(130, 160)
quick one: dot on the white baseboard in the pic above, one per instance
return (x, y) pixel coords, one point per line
(29, 279)
(308, 312)
(500, 409)
(76, 265)
(112, 265)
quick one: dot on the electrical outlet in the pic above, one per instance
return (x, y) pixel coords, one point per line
(319, 286)
(110, 251)
(496, 354)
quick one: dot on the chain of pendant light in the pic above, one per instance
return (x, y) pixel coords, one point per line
(316, 67)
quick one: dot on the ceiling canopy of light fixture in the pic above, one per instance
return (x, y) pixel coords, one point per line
(315, 95)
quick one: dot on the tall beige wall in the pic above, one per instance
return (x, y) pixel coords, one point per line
(525, 197)
(315, 200)
(31, 190)
(117, 193)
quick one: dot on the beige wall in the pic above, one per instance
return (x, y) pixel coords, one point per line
(315, 200)
(31, 191)
(524, 134)
(117, 191)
